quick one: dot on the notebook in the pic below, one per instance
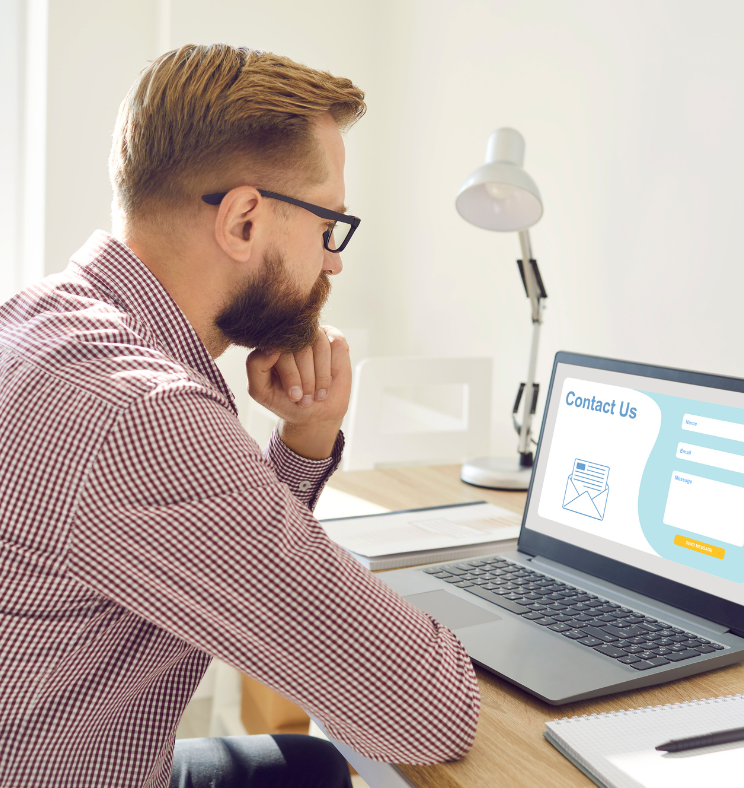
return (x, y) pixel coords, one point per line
(617, 750)
(421, 536)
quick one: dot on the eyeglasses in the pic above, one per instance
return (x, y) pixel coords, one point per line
(335, 238)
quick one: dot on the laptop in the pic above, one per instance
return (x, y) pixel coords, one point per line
(629, 569)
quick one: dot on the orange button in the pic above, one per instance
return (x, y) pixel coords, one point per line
(699, 547)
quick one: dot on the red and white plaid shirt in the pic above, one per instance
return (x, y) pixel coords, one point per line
(143, 531)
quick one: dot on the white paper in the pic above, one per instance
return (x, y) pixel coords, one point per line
(417, 531)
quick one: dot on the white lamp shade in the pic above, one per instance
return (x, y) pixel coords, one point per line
(500, 195)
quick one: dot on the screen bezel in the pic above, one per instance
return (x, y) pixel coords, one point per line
(681, 596)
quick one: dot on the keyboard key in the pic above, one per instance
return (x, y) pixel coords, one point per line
(561, 618)
(455, 570)
(623, 632)
(634, 619)
(581, 599)
(606, 608)
(620, 613)
(593, 603)
(476, 563)
(662, 652)
(463, 584)
(606, 618)
(559, 627)
(646, 664)
(629, 660)
(646, 654)
(632, 649)
(532, 616)
(590, 641)
(678, 656)
(508, 604)
(651, 626)
(544, 622)
(583, 617)
(455, 579)
(574, 634)
(703, 649)
(442, 575)
(717, 646)
(600, 634)
(679, 638)
(610, 651)
(694, 643)
(432, 570)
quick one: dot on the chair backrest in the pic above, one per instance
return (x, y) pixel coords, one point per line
(417, 409)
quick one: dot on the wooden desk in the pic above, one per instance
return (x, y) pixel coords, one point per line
(509, 747)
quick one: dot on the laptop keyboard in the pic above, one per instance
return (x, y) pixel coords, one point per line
(616, 632)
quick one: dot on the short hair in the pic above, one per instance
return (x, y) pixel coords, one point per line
(196, 113)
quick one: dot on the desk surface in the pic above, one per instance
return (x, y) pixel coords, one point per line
(509, 747)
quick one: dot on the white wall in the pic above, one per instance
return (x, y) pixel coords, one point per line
(630, 111)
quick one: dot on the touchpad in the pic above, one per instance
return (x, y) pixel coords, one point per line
(450, 610)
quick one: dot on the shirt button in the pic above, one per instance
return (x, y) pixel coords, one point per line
(304, 485)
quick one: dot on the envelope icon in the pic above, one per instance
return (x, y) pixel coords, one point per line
(590, 504)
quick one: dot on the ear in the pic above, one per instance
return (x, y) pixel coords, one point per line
(240, 211)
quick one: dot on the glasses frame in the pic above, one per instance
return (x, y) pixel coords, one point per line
(217, 197)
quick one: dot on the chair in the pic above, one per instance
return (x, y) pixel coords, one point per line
(408, 410)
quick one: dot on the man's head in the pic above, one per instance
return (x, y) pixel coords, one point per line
(217, 118)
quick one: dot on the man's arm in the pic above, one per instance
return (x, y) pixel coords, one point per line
(183, 522)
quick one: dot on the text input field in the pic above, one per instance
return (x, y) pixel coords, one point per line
(715, 427)
(712, 457)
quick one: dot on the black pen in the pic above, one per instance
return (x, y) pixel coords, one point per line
(706, 740)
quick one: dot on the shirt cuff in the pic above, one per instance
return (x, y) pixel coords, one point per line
(305, 478)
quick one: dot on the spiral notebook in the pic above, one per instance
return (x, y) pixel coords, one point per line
(617, 750)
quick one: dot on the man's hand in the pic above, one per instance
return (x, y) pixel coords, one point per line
(309, 391)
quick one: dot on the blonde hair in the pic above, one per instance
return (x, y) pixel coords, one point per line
(197, 114)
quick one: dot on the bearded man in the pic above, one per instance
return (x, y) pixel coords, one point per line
(142, 530)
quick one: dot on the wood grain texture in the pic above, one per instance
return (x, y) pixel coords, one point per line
(509, 748)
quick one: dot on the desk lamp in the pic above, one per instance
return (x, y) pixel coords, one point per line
(501, 196)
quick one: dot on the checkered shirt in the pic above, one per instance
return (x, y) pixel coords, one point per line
(143, 531)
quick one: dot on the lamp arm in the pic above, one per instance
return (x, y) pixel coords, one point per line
(529, 401)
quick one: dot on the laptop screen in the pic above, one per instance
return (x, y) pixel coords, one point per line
(646, 471)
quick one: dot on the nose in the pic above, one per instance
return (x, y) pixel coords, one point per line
(332, 263)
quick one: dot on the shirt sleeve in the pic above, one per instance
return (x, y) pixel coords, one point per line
(305, 478)
(184, 522)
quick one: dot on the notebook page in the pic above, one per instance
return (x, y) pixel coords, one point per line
(619, 747)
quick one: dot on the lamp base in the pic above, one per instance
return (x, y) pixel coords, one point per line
(497, 473)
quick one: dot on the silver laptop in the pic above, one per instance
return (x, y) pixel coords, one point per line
(630, 563)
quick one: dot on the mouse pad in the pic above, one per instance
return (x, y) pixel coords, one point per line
(450, 610)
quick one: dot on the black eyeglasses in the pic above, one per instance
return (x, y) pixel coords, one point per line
(335, 238)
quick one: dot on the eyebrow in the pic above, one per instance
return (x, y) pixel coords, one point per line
(342, 209)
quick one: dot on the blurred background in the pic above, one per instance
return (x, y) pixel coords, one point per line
(631, 113)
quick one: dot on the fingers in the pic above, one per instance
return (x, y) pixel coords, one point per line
(304, 377)
(322, 363)
(258, 367)
(288, 370)
(340, 362)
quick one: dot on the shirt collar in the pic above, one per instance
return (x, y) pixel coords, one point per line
(137, 290)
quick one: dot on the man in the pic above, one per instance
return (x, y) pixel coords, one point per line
(142, 531)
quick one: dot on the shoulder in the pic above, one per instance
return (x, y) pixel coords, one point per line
(77, 334)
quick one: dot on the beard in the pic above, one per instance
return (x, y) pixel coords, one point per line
(270, 313)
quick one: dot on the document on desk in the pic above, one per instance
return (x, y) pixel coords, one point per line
(420, 536)
(618, 750)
